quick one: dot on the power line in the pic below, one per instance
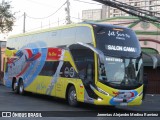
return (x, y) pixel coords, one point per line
(19, 17)
(141, 13)
(87, 2)
(42, 27)
(113, 24)
(49, 15)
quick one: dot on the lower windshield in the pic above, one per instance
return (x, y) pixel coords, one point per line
(121, 72)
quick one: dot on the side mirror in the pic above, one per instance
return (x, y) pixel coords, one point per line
(154, 59)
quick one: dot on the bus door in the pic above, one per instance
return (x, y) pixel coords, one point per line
(85, 63)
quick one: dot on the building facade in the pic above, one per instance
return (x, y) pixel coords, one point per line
(93, 14)
(153, 6)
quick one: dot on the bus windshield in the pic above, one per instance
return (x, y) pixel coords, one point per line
(121, 72)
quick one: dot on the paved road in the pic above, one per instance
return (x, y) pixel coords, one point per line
(10, 101)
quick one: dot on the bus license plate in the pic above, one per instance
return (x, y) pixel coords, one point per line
(123, 104)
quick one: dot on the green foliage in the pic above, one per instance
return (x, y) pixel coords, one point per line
(6, 17)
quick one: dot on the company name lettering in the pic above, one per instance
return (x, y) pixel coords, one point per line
(118, 35)
(120, 48)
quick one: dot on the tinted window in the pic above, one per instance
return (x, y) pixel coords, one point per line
(117, 41)
(49, 68)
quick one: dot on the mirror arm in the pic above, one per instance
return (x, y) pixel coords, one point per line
(98, 52)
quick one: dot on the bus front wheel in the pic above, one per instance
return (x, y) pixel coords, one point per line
(72, 96)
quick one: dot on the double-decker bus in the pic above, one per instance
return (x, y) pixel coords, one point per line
(89, 62)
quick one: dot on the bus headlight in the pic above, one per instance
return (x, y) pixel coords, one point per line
(102, 91)
(99, 99)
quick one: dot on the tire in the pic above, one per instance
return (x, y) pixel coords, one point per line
(21, 87)
(15, 87)
(72, 96)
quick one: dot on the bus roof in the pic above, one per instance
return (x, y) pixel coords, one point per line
(47, 30)
(89, 24)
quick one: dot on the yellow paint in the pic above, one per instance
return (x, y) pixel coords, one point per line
(10, 53)
(42, 84)
(61, 87)
(32, 87)
(106, 88)
(106, 98)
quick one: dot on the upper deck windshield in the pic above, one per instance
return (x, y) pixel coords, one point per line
(116, 41)
(122, 67)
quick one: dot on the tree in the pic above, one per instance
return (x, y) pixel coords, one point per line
(6, 17)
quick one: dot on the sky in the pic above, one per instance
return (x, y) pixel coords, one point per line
(40, 13)
(37, 9)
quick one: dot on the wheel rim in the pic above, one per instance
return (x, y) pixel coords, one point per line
(73, 97)
(14, 86)
(21, 88)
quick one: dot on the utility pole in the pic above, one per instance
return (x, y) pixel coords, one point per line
(68, 12)
(24, 23)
